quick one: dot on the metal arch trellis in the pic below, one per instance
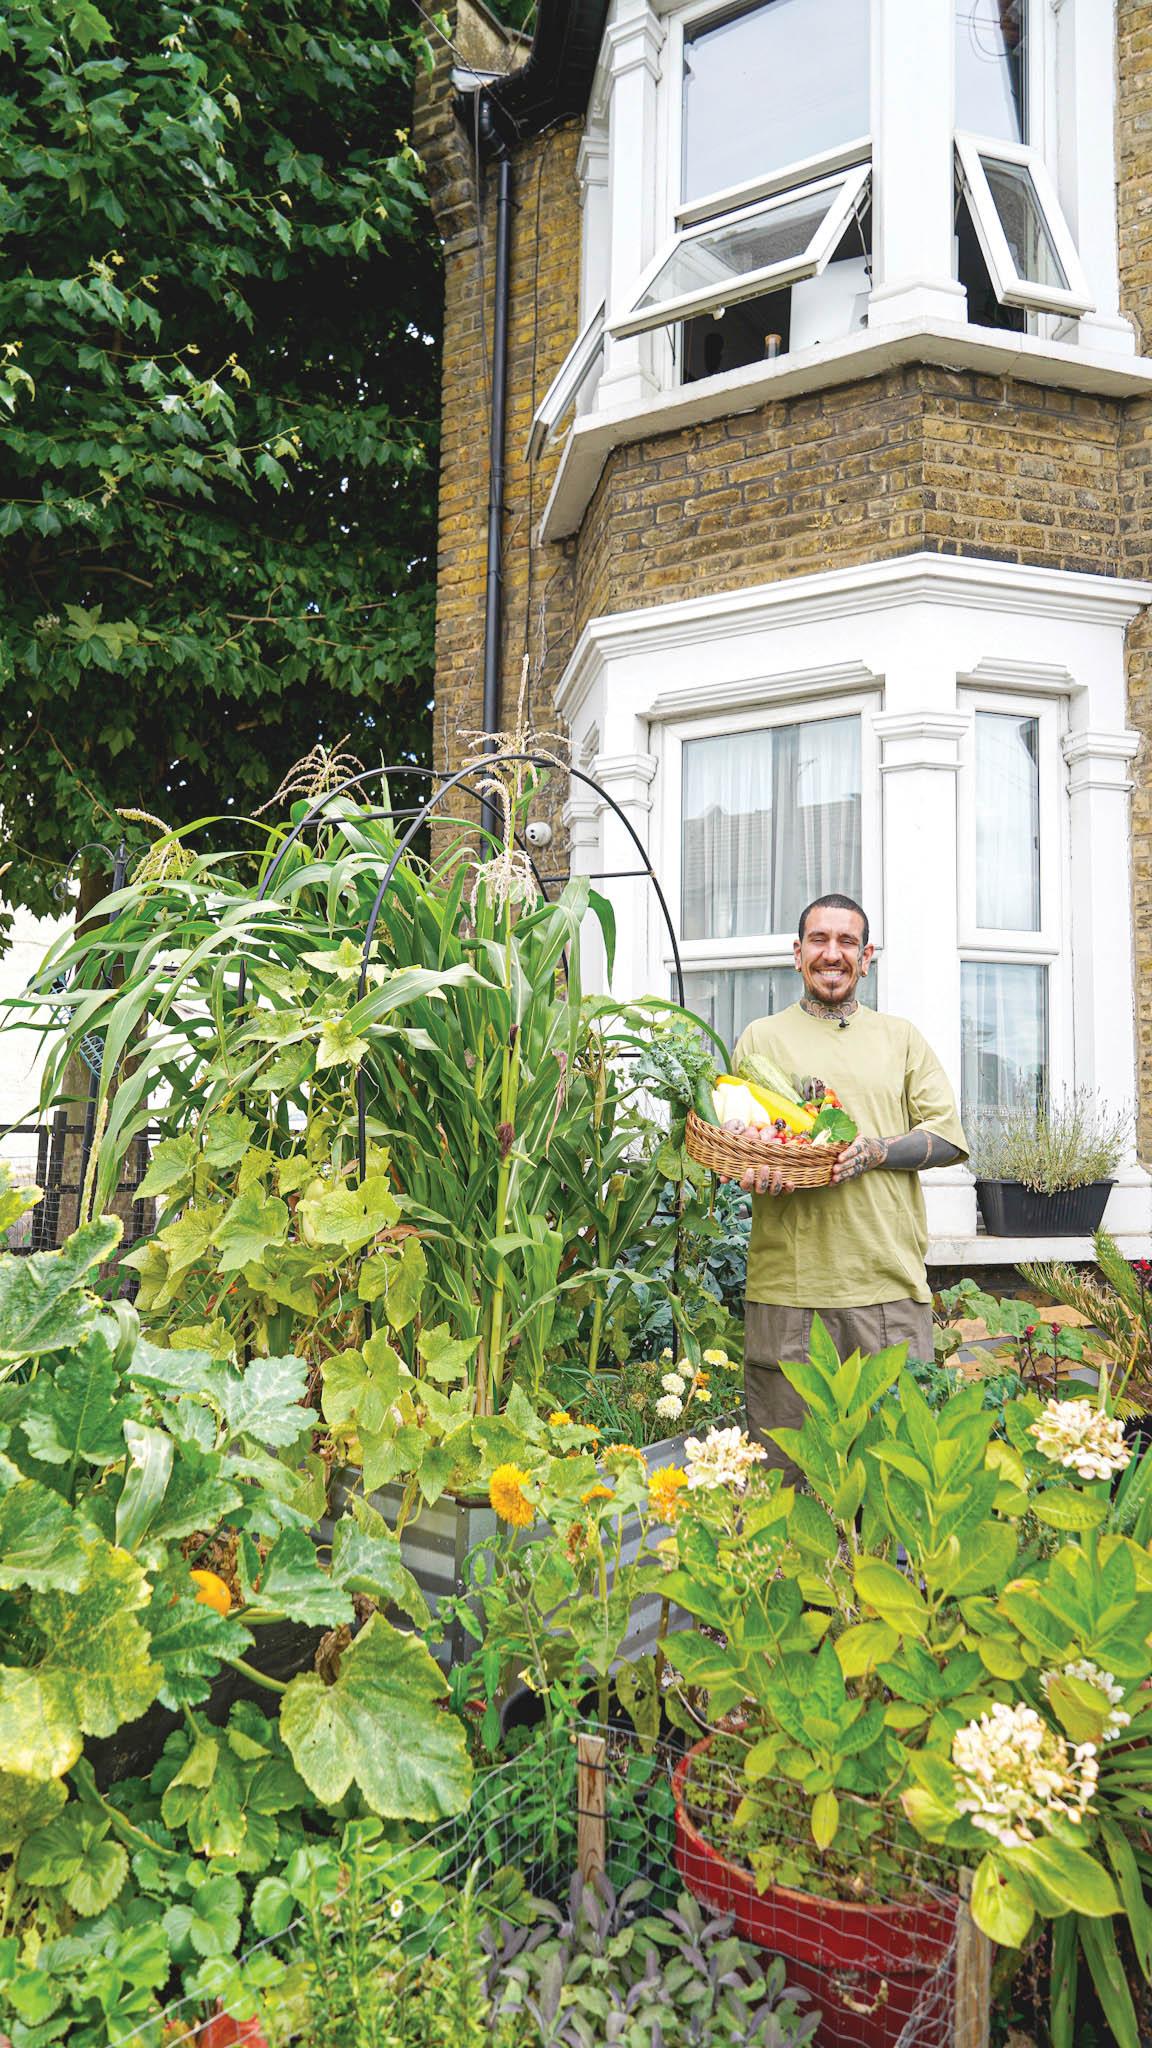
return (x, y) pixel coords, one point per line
(419, 816)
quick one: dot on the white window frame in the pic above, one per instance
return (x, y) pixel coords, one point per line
(766, 949)
(852, 184)
(1010, 288)
(1050, 946)
(565, 387)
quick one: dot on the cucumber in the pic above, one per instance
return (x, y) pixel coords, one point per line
(702, 1102)
(756, 1068)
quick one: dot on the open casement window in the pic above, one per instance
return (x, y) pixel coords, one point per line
(1027, 246)
(753, 249)
(565, 387)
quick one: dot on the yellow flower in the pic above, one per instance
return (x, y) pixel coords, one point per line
(664, 1488)
(558, 1420)
(716, 1357)
(623, 1451)
(506, 1493)
(596, 1493)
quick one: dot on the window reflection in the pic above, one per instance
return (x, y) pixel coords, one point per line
(991, 47)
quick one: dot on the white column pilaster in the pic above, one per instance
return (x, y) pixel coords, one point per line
(1103, 993)
(592, 171)
(582, 815)
(919, 761)
(913, 64)
(1085, 84)
(632, 47)
(627, 778)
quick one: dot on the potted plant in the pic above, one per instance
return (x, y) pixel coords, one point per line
(1045, 1168)
(860, 1641)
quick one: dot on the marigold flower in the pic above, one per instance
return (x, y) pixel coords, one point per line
(664, 1489)
(506, 1493)
(596, 1493)
(1076, 1434)
(558, 1420)
(1017, 1774)
(666, 1355)
(672, 1383)
(669, 1406)
(718, 1357)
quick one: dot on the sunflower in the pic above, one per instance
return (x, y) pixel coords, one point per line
(664, 1488)
(506, 1493)
(618, 1451)
(596, 1493)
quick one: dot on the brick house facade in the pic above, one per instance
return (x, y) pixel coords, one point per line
(839, 578)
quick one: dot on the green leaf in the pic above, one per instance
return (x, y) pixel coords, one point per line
(42, 1544)
(1098, 1941)
(380, 1726)
(1000, 1904)
(42, 1307)
(26, 1806)
(265, 1402)
(210, 1921)
(445, 1357)
(896, 1600)
(170, 1168)
(349, 1217)
(252, 1225)
(825, 1819)
(360, 1387)
(396, 1280)
(76, 1414)
(366, 1559)
(1060, 1508)
(292, 1584)
(96, 1672)
(188, 1240)
(149, 1468)
(189, 1639)
(1078, 1880)
(229, 1136)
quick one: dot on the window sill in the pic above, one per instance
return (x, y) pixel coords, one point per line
(1014, 1251)
(1024, 357)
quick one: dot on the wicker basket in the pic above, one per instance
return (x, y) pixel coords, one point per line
(805, 1166)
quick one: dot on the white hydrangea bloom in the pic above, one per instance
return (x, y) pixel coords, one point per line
(672, 1383)
(1090, 1674)
(1077, 1435)
(723, 1458)
(1017, 1774)
(670, 1406)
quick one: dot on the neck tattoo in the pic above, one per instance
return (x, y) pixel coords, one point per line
(813, 1007)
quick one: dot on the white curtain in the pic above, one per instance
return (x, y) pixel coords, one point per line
(1007, 823)
(770, 818)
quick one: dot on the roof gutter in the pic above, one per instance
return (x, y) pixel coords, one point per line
(553, 85)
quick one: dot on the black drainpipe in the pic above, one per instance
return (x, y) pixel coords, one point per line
(494, 585)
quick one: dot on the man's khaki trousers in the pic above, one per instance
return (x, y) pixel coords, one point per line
(772, 1333)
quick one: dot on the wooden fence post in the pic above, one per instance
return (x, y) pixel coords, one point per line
(972, 2013)
(591, 1807)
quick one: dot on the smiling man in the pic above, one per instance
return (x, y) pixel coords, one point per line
(852, 1252)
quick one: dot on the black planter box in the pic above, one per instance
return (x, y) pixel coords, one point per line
(1010, 1209)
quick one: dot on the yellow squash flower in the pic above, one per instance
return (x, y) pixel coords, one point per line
(558, 1420)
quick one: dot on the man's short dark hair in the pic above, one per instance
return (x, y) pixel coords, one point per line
(833, 901)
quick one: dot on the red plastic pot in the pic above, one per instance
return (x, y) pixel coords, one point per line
(225, 2032)
(867, 1967)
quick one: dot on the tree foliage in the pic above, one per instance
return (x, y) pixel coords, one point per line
(218, 291)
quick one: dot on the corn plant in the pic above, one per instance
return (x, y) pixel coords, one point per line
(498, 1107)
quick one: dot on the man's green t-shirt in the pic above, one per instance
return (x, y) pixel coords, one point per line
(864, 1242)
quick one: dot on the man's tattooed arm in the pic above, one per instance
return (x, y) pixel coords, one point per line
(910, 1153)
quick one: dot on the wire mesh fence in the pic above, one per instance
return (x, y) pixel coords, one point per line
(51, 1157)
(590, 1844)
